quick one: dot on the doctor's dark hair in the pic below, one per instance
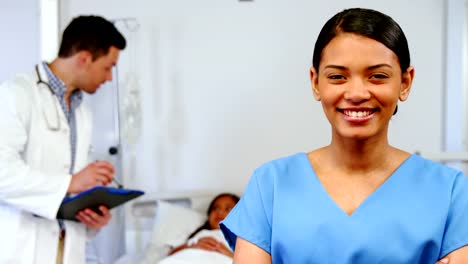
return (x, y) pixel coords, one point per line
(90, 33)
(368, 23)
(206, 225)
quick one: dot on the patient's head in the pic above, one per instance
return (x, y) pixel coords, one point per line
(220, 207)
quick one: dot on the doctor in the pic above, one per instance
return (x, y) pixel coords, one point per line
(45, 135)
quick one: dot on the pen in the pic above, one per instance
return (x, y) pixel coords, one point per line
(119, 185)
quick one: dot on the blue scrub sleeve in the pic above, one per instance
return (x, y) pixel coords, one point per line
(250, 219)
(456, 228)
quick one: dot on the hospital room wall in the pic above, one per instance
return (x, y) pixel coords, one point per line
(19, 26)
(223, 85)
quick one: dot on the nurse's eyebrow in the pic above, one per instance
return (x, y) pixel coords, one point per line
(373, 67)
(379, 66)
(338, 67)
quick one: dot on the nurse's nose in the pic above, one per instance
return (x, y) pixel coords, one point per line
(357, 91)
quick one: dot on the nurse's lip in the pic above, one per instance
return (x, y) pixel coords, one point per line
(357, 111)
(357, 115)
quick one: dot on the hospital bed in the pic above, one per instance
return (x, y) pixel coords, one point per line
(155, 222)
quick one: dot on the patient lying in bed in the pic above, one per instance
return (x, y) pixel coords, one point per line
(206, 244)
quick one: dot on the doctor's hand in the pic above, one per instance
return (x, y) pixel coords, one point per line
(95, 174)
(94, 220)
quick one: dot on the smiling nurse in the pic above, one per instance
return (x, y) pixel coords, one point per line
(359, 199)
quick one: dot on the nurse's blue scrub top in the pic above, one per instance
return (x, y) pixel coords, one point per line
(418, 215)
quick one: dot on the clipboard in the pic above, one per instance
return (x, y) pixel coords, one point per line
(93, 198)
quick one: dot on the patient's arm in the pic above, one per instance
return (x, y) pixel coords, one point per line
(178, 248)
(221, 248)
(247, 252)
(205, 243)
(211, 244)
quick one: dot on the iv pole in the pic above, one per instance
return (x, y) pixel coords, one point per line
(132, 25)
(109, 244)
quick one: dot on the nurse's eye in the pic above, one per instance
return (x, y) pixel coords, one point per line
(336, 77)
(379, 76)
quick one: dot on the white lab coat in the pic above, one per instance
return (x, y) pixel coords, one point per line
(34, 172)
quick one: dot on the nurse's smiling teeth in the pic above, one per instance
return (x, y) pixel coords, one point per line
(357, 113)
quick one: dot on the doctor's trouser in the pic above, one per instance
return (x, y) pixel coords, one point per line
(61, 246)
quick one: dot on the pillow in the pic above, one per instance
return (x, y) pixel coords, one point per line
(174, 223)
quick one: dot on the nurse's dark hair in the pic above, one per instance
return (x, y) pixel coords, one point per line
(90, 33)
(365, 22)
(206, 225)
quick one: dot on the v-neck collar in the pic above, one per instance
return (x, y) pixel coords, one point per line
(393, 177)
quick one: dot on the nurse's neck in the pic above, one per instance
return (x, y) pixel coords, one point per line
(65, 69)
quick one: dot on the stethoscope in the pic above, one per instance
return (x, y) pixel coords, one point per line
(52, 125)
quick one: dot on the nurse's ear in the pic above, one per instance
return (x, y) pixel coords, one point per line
(84, 57)
(406, 81)
(314, 82)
